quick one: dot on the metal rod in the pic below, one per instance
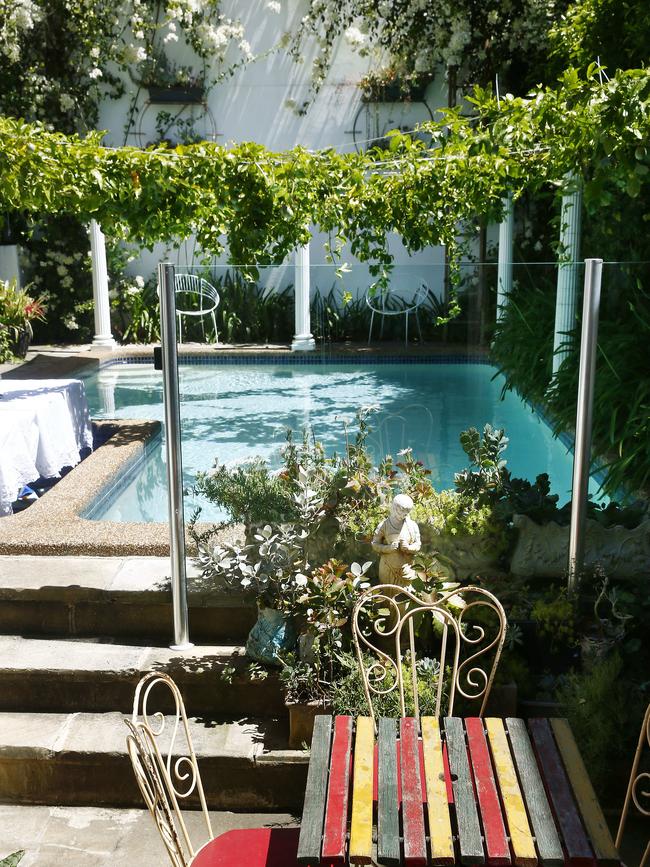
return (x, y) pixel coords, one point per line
(584, 413)
(166, 283)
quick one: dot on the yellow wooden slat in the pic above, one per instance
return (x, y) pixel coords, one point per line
(442, 844)
(590, 810)
(521, 838)
(362, 791)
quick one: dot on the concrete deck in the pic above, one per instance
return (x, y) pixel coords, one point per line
(95, 837)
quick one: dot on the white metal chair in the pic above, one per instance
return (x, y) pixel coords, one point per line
(471, 627)
(388, 302)
(163, 777)
(167, 773)
(199, 298)
(634, 791)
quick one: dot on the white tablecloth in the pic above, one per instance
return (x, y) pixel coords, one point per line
(43, 426)
(18, 450)
(75, 396)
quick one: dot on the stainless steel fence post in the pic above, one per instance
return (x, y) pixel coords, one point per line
(584, 414)
(166, 285)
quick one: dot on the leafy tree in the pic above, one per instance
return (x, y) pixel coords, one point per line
(616, 31)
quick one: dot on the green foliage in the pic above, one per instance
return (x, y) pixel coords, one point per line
(348, 697)
(600, 705)
(555, 616)
(13, 860)
(250, 492)
(616, 33)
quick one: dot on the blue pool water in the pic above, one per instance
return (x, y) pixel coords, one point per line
(231, 413)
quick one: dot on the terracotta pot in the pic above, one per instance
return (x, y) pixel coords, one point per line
(301, 721)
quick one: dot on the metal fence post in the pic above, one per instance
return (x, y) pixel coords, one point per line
(166, 284)
(584, 413)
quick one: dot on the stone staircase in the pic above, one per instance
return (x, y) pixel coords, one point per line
(76, 635)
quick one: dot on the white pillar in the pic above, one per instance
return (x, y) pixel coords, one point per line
(566, 306)
(103, 335)
(504, 271)
(9, 263)
(302, 339)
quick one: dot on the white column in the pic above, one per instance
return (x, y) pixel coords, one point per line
(9, 263)
(103, 335)
(504, 271)
(566, 306)
(302, 339)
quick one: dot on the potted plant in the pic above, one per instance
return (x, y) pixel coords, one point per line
(168, 82)
(304, 696)
(18, 310)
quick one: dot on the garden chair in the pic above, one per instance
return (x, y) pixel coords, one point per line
(388, 302)
(193, 290)
(634, 791)
(467, 625)
(160, 747)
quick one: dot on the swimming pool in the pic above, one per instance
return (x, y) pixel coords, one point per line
(231, 412)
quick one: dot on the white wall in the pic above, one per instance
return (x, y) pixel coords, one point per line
(251, 106)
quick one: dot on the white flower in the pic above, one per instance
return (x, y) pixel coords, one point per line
(70, 322)
(171, 37)
(301, 580)
(355, 37)
(95, 73)
(274, 6)
(61, 270)
(139, 34)
(133, 53)
(94, 52)
(139, 281)
(66, 102)
(245, 48)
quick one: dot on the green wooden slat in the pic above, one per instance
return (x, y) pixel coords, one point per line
(313, 813)
(539, 809)
(470, 840)
(388, 847)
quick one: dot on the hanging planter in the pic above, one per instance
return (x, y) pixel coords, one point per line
(180, 94)
(385, 85)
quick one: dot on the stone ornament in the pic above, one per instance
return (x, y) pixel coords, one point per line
(397, 541)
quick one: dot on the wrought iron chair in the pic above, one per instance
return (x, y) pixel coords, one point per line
(392, 303)
(167, 773)
(634, 792)
(190, 287)
(469, 646)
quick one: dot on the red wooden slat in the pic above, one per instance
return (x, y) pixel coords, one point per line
(336, 814)
(496, 842)
(415, 849)
(574, 838)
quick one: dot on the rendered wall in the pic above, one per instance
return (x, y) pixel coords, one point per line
(252, 106)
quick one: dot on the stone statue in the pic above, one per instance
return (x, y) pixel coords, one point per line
(397, 540)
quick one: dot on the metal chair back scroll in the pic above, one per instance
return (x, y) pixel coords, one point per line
(469, 625)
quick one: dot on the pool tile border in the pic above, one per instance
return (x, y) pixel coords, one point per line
(292, 359)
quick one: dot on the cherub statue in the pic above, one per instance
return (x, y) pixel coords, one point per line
(397, 540)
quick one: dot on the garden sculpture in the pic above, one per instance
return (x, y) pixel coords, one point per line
(397, 540)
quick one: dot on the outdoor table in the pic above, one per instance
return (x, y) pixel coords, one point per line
(44, 424)
(73, 392)
(450, 791)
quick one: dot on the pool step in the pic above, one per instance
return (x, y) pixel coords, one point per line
(100, 675)
(121, 597)
(80, 759)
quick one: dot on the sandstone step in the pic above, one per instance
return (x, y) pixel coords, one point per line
(71, 674)
(122, 597)
(80, 759)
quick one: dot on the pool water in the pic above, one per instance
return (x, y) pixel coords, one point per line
(232, 413)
